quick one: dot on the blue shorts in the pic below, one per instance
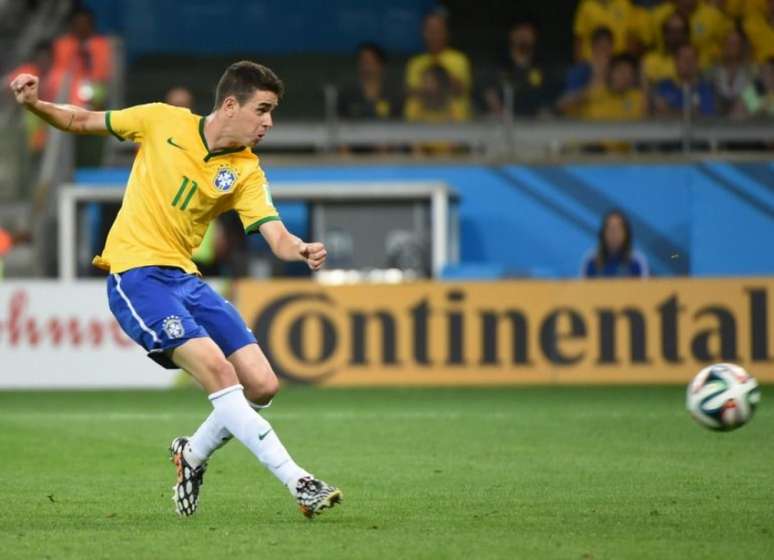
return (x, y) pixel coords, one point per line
(162, 307)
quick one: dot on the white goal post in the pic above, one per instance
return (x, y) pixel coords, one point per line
(444, 223)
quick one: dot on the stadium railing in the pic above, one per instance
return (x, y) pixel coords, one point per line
(513, 139)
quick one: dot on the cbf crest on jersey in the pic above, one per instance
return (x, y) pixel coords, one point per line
(225, 178)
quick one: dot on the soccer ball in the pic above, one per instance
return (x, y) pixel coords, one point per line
(722, 397)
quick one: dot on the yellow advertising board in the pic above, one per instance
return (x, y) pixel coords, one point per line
(509, 332)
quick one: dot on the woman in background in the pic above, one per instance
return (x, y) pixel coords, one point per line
(614, 256)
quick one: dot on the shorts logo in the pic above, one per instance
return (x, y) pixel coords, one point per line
(225, 178)
(173, 326)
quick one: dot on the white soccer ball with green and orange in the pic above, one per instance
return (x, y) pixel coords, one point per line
(723, 397)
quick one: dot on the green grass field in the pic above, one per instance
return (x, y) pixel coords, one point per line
(576, 473)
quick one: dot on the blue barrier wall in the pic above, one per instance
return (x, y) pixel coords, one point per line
(707, 219)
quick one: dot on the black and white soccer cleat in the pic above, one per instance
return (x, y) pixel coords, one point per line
(189, 479)
(314, 495)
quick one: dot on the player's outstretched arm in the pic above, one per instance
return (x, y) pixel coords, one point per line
(288, 247)
(64, 117)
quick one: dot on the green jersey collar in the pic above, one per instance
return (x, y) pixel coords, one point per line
(216, 153)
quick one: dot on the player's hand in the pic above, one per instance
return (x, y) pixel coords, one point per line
(25, 89)
(314, 254)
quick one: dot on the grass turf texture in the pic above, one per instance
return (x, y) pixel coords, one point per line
(426, 473)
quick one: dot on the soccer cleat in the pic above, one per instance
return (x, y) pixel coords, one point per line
(314, 495)
(189, 479)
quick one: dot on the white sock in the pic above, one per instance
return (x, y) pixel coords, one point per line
(209, 437)
(233, 411)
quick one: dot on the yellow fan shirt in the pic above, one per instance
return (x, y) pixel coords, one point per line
(616, 15)
(709, 28)
(176, 188)
(761, 34)
(454, 62)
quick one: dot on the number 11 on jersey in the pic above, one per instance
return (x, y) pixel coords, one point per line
(182, 190)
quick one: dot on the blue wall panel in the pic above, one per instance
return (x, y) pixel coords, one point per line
(732, 231)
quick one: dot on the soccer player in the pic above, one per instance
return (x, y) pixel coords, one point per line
(188, 170)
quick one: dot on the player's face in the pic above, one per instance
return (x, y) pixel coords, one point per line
(254, 117)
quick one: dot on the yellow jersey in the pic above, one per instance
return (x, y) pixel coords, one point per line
(177, 186)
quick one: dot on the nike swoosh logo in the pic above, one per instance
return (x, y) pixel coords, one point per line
(172, 143)
(261, 436)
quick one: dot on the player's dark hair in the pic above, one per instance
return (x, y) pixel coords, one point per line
(626, 251)
(242, 79)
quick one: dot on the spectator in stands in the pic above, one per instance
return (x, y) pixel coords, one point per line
(521, 72)
(709, 26)
(434, 102)
(454, 63)
(669, 98)
(619, 16)
(659, 64)
(6, 245)
(622, 99)
(734, 74)
(757, 99)
(180, 96)
(370, 97)
(86, 57)
(40, 65)
(588, 75)
(642, 36)
(615, 255)
(759, 26)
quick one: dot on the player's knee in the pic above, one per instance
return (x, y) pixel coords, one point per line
(263, 390)
(221, 372)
